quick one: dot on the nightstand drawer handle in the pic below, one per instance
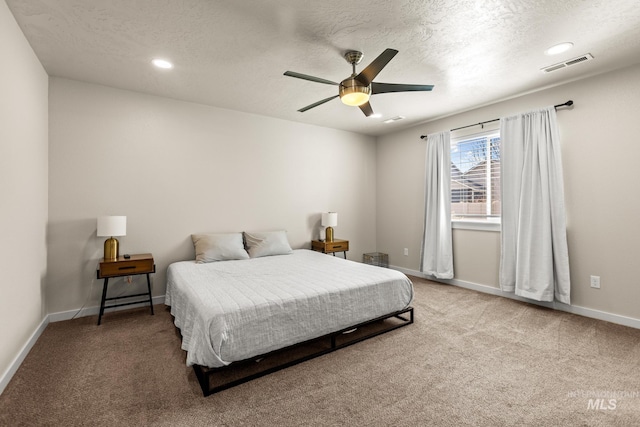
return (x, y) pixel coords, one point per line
(129, 267)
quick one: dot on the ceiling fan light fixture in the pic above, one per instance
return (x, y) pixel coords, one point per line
(356, 90)
(354, 93)
(355, 99)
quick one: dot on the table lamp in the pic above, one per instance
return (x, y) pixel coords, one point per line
(111, 226)
(329, 220)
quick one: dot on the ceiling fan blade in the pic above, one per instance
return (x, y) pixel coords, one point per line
(392, 87)
(308, 107)
(366, 109)
(310, 78)
(367, 75)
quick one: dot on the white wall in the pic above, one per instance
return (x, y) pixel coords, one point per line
(23, 190)
(176, 168)
(600, 155)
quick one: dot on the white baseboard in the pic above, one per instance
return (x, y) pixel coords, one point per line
(574, 309)
(17, 361)
(58, 317)
(93, 311)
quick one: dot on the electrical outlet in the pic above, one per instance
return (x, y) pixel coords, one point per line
(595, 282)
(406, 251)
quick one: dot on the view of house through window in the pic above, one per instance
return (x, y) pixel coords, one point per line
(475, 177)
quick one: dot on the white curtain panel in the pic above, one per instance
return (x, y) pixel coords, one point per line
(534, 261)
(437, 252)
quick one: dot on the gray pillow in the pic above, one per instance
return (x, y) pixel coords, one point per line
(218, 247)
(266, 243)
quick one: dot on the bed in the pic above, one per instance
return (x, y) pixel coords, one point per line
(243, 309)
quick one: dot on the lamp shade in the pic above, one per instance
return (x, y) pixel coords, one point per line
(329, 219)
(112, 226)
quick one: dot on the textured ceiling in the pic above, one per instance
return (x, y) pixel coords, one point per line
(232, 54)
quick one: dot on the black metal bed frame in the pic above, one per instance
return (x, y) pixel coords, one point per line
(204, 374)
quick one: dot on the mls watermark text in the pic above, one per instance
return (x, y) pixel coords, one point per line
(603, 400)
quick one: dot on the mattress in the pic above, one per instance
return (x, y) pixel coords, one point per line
(234, 310)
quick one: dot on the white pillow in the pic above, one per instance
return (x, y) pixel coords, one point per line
(218, 247)
(266, 243)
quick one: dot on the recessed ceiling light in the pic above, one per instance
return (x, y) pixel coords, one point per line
(559, 48)
(162, 63)
(375, 116)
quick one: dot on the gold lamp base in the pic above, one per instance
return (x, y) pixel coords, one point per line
(329, 234)
(111, 250)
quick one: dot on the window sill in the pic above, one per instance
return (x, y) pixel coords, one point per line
(469, 224)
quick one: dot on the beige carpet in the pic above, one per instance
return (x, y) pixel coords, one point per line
(469, 359)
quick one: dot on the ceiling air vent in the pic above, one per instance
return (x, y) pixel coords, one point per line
(394, 119)
(574, 61)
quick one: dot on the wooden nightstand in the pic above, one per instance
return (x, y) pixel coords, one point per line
(331, 247)
(136, 264)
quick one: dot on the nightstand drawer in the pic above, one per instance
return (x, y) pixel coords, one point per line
(126, 267)
(337, 246)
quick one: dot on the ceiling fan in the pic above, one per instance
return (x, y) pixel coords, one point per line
(357, 89)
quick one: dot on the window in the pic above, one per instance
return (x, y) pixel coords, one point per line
(475, 177)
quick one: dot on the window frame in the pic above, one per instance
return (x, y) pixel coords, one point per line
(483, 223)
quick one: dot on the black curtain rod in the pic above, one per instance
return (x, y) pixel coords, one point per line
(566, 104)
